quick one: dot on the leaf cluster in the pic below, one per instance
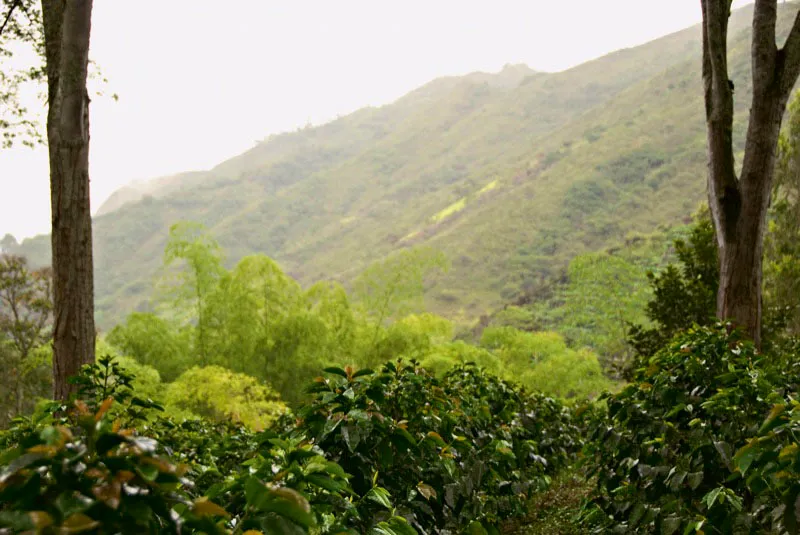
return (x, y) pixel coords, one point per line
(456, 453)
(665, 454)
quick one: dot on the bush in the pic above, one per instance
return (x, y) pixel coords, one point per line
(82, 472)
(571, 375)
(770, 464)
(465, 450)
(385, 453)
(666, 452)
(219, 394)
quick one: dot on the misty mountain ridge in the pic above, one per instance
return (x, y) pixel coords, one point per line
(511, 174)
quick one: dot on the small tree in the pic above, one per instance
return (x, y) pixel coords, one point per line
(395, 286)
(25, 313)
(193, 264)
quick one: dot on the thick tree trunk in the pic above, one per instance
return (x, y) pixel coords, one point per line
(739, 204)
(742, 245)
(67, 31)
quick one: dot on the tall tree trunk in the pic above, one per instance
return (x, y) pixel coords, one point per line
(739, 204)
(67, 25)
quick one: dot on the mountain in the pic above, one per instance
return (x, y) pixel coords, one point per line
(155, 187)
(510, 174)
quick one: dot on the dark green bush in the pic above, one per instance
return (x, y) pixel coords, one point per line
(665, 457)
(81, 470)
(397, 452)
(465, 450)
(770, 465)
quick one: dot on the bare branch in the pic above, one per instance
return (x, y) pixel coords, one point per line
(723, 186)
(789, 58)
(764, 51)
(14, 5)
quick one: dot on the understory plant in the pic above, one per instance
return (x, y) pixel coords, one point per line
(665, 459)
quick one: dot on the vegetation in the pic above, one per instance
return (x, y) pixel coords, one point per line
(579, 159)
(362, 458)
(243, 399)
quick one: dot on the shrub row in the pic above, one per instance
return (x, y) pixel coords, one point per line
(396, 451)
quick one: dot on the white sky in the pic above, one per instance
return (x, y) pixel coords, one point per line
(200, 80)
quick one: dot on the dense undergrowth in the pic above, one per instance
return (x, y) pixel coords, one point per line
(703, 440)
(393, 451)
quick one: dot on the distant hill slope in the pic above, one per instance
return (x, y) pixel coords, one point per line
(510, 174)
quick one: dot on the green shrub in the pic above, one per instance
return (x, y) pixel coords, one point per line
(770, 465)
(92, 478)
(219, 394)
(571, 375)
(453, 452)
(665, 455)
(81, 472)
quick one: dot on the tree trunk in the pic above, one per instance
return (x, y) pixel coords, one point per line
(18, 391)
(67, 26)
(739, 204)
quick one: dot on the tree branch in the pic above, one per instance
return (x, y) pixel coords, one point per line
(789, 57)
(715, 13)
(764, 51)
(724, 194)
(11, 9)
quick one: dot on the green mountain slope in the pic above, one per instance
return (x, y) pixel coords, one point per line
(510, 174)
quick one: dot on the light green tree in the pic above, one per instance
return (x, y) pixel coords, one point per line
(154, 341)
(782, 243)
(395, 286)
(604, 296)
(221, 394)
(192, 272)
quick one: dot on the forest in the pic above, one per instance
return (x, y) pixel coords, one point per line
(620, 373)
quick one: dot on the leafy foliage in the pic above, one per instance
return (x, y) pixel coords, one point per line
(463, 449)
(25, 327)
(781, 253)
(770, 464)
(219, 394)
(665, 457)
(683, 295)
(362, 458)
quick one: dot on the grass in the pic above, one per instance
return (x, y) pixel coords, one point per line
(450, 210)
(556, 511)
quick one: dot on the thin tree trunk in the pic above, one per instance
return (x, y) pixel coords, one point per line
(739, 204)
(67, 31)
(18, 391)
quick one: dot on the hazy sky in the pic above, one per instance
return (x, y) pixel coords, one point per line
(200, 81)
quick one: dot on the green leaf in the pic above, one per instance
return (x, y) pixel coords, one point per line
(70, 502)
(325, 482)
(745, 456)
(670, 525)
(19, 521)
(476, 528)
(282, 501)
(394, 526)
(352, 437)
(710, 499)
(694, 479)
(336, 371)
(379, 495)
(279, 525)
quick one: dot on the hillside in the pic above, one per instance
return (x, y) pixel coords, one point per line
(510, 174)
